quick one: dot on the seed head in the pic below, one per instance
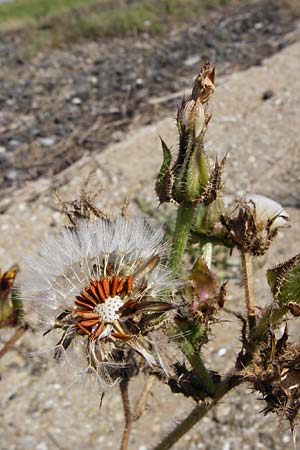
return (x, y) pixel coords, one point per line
(102, 283)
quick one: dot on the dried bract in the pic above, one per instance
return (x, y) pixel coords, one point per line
(275, 373)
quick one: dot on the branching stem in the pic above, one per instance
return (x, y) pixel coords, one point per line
(11, 342)
(140, 404)
(195, 415)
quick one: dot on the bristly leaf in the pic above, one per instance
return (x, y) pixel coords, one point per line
(284, 281)
(164, 182)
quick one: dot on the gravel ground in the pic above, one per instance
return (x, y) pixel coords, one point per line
(39, 410)
(64, 103)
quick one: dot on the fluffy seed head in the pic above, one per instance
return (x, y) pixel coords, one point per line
(102, 283)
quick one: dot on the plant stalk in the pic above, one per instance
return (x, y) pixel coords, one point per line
(247, 272)
(11, 342)
(140, 404)
(127, 415)
(195, 415)
(199, 367)
(184, 221)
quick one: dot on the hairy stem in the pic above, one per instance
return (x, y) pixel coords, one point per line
(195, 415)
(199, 367)
(185, 215)
(140, 404)
(11, 342)
(127, 415)
(247, 272)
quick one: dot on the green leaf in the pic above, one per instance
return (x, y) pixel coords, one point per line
(284, 281)
(163, 185)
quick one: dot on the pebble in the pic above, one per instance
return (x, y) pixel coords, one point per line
(226, 446)
(11, 175)
(286, 438)
(47, 142)
(42, 446)
(76, 101)
(3, 154)
(192, 60)
(14, 143)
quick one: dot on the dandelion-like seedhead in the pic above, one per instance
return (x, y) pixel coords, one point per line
(102, 286)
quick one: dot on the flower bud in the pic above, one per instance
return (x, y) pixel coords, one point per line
(189, 178)
(192, 116)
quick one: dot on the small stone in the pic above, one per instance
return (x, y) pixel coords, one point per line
(226, 446)
(94, 80)
(3, 154)
(14, 143)
(11, 175)
(192, 60)
(76, 101)
(47, 142)
(286, 438)
(139, 82)
(42, 446)
(267, 94)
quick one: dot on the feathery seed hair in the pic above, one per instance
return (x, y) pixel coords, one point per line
(101, 286)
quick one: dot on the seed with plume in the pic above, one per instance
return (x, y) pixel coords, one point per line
(268, 212)
(100, 284)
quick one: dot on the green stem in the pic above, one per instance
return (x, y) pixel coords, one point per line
(200, 369)
(271, 316)
(195, 415)
(185, 216)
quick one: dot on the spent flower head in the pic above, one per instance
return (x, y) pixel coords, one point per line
(252, 223)
(102, 286)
